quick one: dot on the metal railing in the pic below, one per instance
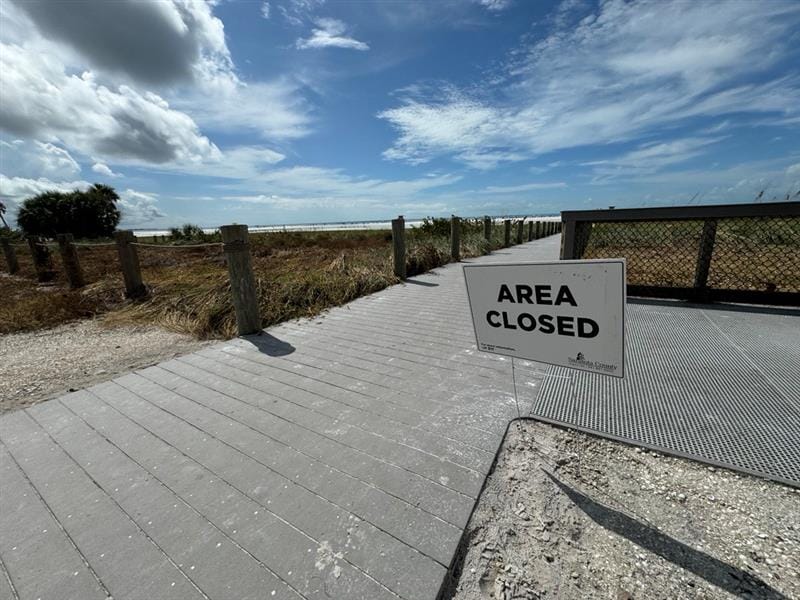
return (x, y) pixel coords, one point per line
(729, 253)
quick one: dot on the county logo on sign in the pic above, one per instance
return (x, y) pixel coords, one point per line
(569, 313)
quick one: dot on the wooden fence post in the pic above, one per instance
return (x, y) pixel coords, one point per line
(455, 238)
(42, 260)
(11, 256)
(236, 246)
(507, 233)
(129, 263)
(487, 228)
(520, 229)
(569, 241)
(399, 246)
(705, 253)
(574, 238)
(530, 231)
(69, 257)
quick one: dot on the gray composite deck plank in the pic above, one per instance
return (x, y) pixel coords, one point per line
(164, 515)
(282, 547)
(7, 589)
(331, 411)
(392, 405)
(424, 403)
(292, 525)
(33, 546)
(288, 417)
(389, 365)
(129, 563)
(351, 469)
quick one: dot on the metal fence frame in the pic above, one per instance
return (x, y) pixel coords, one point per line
(575, 238)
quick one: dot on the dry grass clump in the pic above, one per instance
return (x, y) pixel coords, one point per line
(291, 283)
(27, 306)
(426, 253)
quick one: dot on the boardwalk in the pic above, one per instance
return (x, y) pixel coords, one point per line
(334, 458)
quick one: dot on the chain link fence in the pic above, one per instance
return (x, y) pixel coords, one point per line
(734, 253)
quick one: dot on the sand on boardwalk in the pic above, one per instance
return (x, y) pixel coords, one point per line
(44, 364)
(567, 515)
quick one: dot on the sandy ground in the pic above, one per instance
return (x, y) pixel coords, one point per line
(39, 365)
(566, 515)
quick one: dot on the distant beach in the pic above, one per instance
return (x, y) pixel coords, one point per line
(335, 226)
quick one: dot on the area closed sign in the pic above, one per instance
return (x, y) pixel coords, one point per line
(569, 313)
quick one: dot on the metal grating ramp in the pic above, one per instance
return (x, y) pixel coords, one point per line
(720, 386)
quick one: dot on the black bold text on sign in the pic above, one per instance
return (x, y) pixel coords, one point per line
(567, 313)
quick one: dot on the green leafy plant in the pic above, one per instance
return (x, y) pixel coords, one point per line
(91, 213)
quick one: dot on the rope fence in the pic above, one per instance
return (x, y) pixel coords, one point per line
(84, 263)
(176, 246)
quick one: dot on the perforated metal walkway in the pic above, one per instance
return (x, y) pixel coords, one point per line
(722, 386)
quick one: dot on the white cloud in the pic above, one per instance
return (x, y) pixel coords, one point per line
(366, 205)
(275, 110)
(265, 10)
(34, 159)
(240, 162)
(104, 169)
(41, 99)
(304, 181)
(103, 112)
(737, 182)
(525, 187)
(495, 5)
(151, 42)
(296, 12)
(625, 70)
(329, 34)
(56, 160)
(333, 190)
(793, 170)
(139, 208)
(652, 157)
(17, 189)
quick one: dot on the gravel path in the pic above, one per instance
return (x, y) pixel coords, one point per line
(39, 365)
(566, 515)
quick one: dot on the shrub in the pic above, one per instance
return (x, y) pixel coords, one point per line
(440, 226)
(85, 214)
(189, 232)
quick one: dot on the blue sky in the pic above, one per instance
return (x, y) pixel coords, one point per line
(292, 111)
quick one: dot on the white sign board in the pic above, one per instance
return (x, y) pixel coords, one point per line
(569, 313)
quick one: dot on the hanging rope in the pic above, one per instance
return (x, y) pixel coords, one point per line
(172, 247)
